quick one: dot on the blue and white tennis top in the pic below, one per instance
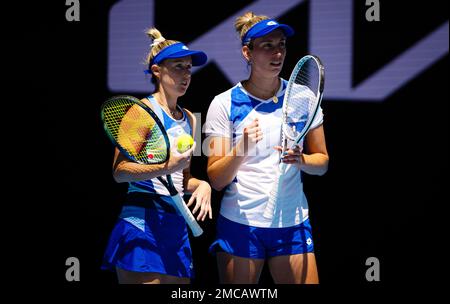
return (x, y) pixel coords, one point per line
(174, 128)
(245, 199)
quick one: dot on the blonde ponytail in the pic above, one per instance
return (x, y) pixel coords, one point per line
(158, 43)
(245, 22)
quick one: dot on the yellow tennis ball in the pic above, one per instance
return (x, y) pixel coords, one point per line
(184, 142)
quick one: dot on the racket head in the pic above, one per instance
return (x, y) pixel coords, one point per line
(302, 98)
(135, 130)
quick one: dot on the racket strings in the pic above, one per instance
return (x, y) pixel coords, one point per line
(135, 130)
(302, 99)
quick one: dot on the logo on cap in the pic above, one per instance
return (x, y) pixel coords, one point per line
(271, 23)
(185, 47)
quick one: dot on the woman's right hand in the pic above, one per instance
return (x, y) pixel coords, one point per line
(179, 161)
(251, 135)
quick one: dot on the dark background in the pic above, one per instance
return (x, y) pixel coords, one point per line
(381, 196)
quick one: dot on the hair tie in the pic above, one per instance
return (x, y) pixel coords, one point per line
(157, 41)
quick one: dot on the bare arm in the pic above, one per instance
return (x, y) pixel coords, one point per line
(201, 191)
(125, 170)
(315, 160)
(224, 160)
(222, 165)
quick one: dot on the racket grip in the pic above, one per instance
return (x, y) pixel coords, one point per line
(187, 214)
(271, 205)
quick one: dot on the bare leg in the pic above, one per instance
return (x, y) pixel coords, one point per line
(294, 269)
(132, 277)
(238, 270)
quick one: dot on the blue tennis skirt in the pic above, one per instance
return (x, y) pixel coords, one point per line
(148, 240)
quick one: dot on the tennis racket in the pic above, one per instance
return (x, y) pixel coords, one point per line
(300, 106)
(139, 134)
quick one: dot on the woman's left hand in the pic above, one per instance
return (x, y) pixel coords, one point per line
(202, 196)
(292, 156)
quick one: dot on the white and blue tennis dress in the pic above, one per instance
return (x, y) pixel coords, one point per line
(241, 222)
(150, 235)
